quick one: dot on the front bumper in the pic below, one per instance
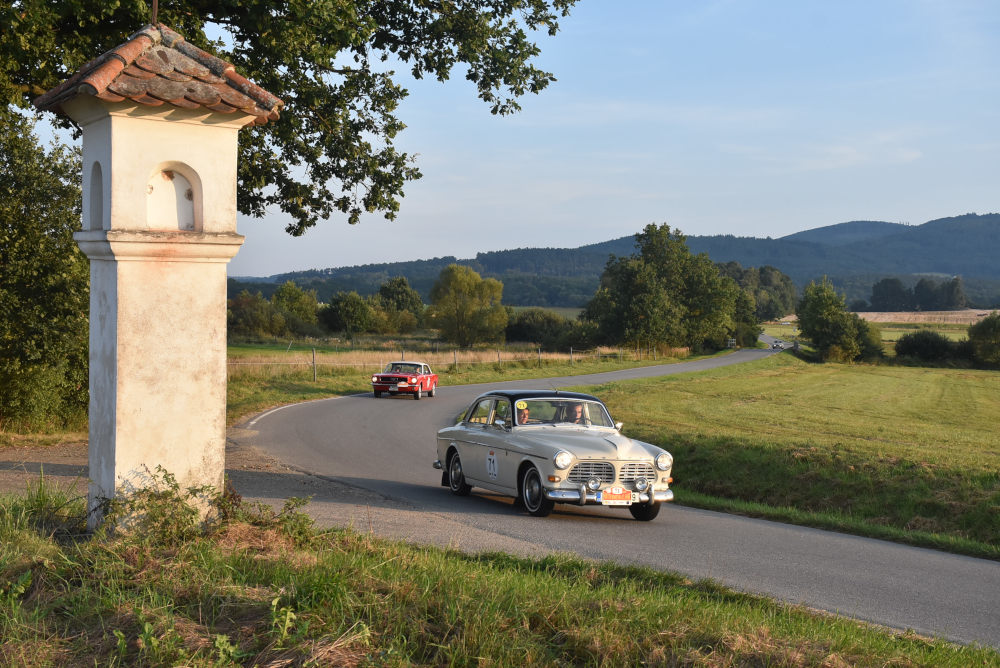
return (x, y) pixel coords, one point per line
(583, 496)
(395, 387)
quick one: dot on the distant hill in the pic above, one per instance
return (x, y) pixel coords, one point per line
(843, 234)
(854, 255)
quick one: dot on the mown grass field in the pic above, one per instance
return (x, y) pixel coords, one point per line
(908, 454)
(257, 588)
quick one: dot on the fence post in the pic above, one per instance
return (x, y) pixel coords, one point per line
(454, 353)
(539, 357)
(402, 354)
(314, 365)
(571, 355)
(619, 355)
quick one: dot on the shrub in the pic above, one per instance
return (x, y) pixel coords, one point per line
(925, 345)
(984, 336)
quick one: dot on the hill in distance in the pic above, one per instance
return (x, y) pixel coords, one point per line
(854, 255)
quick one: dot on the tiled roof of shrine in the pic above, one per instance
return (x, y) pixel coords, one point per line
(156, 66)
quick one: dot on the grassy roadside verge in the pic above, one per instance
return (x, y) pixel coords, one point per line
(250, 392)
(905, 454)
(259, 588)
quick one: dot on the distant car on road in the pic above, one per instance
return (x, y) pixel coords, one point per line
(777, 345)
(414, 378)
(544, 447)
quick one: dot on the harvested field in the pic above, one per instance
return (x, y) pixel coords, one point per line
(963, 317)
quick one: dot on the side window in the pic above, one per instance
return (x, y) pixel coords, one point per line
(481, 413)
(502, 411)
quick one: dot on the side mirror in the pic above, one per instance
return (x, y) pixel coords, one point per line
(619, 425)
(500, 423)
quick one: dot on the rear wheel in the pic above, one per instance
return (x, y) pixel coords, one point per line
(533, 494)
(456, 478)
(644, 511)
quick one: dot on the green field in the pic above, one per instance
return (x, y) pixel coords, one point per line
(259, 589)
(908, 454)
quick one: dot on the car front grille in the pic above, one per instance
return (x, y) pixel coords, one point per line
(629, 471)
(584, 471)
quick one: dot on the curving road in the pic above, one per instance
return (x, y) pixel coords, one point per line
(367, 463)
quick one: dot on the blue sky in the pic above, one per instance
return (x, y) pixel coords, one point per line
(753, 118)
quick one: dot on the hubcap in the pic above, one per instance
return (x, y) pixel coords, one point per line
(532, 490)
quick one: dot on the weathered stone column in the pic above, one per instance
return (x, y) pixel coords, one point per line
(160, 121)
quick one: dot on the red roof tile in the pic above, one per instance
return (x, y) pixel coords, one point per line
(156, 66)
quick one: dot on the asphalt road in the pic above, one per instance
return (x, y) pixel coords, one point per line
(367, 463)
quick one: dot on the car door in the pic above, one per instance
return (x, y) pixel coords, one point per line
(472, 449)
(500, 467)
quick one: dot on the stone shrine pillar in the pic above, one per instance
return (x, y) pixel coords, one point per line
(160, 121)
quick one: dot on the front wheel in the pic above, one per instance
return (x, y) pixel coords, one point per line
(433, 390)
(533, 494)
(644, 511)
(376, 393)
(419, 393)
(456, 478)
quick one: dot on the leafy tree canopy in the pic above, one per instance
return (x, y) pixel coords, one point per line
(331, 63)
(836, 334)
(299, 303)
(44, 281)
(663, 295)
(397, 295)
(467, 308)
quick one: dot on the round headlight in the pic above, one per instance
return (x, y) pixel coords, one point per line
(664, 461)
(562, 460)
(374, 379)
(594, 484)
(641, 484)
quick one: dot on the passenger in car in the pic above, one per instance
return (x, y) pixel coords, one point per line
(574, 414)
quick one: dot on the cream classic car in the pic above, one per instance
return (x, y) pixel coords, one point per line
(544, 447)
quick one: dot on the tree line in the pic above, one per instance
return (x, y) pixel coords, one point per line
(662, 296)
(839, 335)
(890, 294)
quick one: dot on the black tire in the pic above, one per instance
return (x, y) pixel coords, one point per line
(533, 494)
(456, 478)
(376, 393)
(645, 511)
(418, 393)
(433, 390)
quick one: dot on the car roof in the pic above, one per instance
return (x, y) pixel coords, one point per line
(514, 395)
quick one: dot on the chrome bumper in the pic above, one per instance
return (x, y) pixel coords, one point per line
(437, 464)
(582, 496)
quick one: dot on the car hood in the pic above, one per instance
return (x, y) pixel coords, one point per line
(584, 443)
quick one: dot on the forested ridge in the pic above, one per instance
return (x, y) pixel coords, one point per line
(854, 255)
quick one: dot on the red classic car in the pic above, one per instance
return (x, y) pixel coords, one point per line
(405, 377)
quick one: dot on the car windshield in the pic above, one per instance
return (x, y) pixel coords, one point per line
(561, 411)
(401, 367)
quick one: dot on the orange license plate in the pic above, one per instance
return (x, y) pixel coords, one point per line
(616, 496)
